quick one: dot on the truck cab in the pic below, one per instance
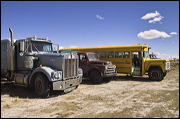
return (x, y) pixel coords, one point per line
(33, 62)
(94, 68)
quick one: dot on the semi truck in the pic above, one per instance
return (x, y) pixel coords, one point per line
(37, 63)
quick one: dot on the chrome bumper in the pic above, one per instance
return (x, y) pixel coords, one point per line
(110, 74)
(62, 85)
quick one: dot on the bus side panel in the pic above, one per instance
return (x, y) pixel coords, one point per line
(123, 65)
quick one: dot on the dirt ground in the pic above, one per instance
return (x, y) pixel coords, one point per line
(121, 97)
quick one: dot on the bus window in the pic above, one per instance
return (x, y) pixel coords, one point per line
(126, 54)
(97, 54)
(111, 55)
(102, 54)
(136, 54)
(118, 54)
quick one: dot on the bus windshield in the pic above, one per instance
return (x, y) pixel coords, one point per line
(93, 57)
(146, 54)
(153, 56)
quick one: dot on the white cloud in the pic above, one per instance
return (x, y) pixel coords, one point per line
(152, 34)
(156, 17)
(173, 33)
(150, 15)
(99, 17)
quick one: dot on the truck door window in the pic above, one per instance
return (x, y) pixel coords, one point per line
(82, 57)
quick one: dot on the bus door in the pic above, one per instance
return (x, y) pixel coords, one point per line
(136, 64)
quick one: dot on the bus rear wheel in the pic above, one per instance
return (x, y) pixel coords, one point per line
(156, 74)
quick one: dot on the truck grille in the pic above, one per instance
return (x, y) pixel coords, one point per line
(110, 69)
(70, 69)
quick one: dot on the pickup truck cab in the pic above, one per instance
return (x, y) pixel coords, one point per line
(94, 68)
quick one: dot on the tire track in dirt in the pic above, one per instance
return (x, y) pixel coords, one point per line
(122, 97)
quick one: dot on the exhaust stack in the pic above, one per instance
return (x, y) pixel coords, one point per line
(11, 57)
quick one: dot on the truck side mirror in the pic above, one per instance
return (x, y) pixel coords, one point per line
(21, 46)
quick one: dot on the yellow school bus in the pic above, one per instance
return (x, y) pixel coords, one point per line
(130, 59)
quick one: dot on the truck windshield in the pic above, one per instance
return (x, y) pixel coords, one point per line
(146, 54)
(92, 57)
(41, 47)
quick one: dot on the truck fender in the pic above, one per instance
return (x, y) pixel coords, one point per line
(45, 70)
(95, 68)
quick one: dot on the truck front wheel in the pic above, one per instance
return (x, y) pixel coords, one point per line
(156, 74)
(41, 86)
(95, 77)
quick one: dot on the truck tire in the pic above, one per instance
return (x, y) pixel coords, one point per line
(156, 74)
(95, 77)
(41, 86)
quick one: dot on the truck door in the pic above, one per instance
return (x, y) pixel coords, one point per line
(83, 62)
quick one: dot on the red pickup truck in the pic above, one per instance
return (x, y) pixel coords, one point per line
(94, 68)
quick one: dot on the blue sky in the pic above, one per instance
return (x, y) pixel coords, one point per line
(96, 23)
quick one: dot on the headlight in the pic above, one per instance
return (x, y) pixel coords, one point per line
(106, 67)
(167, 67)
(80, 72)
(57, 75)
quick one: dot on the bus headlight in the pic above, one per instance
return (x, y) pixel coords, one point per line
(167, 67)
(57, 75)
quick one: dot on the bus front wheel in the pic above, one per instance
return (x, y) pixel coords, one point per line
(156, 74)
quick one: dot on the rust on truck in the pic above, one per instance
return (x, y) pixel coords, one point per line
(94, 68)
